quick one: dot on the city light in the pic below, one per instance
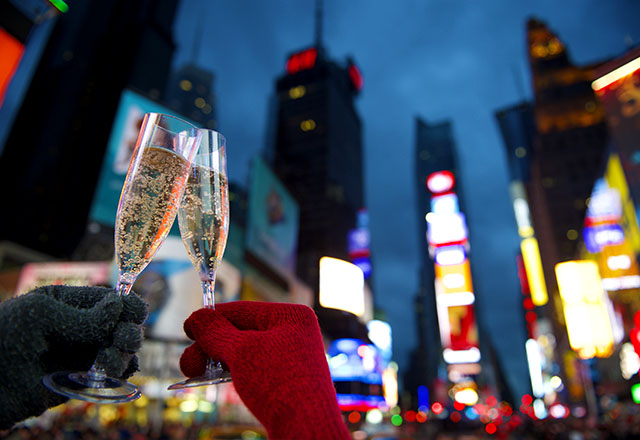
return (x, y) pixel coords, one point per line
(440, 182)
(533, 267)
(615, 75)
(534, 358)
(585, 311)
(341, 285)
(466, 396)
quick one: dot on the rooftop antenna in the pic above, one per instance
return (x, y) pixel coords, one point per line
(319, 10)
(517, 77)
(197, 40)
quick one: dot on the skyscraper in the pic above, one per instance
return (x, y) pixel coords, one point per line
(568, 149)
(434, 151)
(190, 93)
(52, 156)
(317, 152)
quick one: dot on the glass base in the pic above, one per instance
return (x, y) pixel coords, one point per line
(77, 385)
(215, 377)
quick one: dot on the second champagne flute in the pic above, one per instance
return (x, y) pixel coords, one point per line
(203, 217)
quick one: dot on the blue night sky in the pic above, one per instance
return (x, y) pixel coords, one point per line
(441, 60)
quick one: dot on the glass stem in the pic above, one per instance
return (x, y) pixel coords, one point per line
(210, 302)
(207, 291)
(123, 288)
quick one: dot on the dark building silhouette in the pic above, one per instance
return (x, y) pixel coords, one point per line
(434, 151)
(190, 93)
(317, 153)
(568, 149)
(52, 156)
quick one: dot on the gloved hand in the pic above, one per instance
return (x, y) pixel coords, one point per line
(277, 362)
(58, 328)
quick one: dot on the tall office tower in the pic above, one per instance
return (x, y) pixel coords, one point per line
(568, 148)
(317, 153)
(190, 93)
(52, 156)
(434, 151)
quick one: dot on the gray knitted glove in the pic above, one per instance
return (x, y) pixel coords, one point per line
(58, 328)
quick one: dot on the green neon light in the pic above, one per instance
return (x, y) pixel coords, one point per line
(60, 5)
(635, 393)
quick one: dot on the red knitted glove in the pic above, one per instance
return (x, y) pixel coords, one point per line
(276, 358)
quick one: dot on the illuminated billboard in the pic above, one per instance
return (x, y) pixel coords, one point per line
(454, 278)
(341, 286)
(585, 310)
(617, 89)
(272, 220)
(444, 229)
(122, 141)
(12, 50)
(356, 370)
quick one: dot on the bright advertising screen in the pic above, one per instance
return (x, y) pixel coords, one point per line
(356, 369)
(272, 227)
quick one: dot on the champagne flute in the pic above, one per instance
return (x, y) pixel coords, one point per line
(148, 205)
(203, 217)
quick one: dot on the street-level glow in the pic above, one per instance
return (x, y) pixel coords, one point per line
(558, 411)
(533, 267)
(534, 358)
(461, 356)
(341, 285)
(629, 361)
(615, 75)
(467, 396)
(539, 409)
(585, 312)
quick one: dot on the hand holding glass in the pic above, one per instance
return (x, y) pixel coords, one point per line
(203, 217)
(148, 205)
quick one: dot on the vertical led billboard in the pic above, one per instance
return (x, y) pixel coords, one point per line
(272, 227)
(447, 238)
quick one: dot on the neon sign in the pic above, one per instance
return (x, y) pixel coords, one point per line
(303, 60)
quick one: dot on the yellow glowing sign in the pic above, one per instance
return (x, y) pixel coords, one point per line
(533, 267)
(614, 175)
(455, 278)
(585, 311)
(341, 285)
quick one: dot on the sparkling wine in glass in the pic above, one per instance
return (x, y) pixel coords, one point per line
(148, 205)
(203, 217)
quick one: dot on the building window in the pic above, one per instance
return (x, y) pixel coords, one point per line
(308, 125)
(186, 85)
(297, 92)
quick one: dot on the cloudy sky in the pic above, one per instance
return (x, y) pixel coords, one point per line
(457, 60)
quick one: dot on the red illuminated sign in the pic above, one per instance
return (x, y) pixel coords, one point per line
(440, 182)
(303, 60)
(12, 51)
(356, 77)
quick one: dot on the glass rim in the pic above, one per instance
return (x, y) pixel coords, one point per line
(188, 124)
(211, 130)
